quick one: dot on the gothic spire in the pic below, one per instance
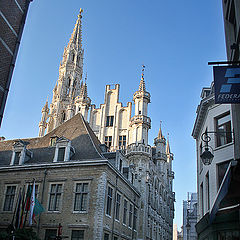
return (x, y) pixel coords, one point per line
(76, 37)
(142, 86)
(168, 151)
(83, 92)
(160, 135)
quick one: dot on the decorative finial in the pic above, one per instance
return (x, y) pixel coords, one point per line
(143, 68)
(80, 13)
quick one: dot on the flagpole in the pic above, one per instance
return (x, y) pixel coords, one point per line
(43, 188)
(15, 207)
(30, 189)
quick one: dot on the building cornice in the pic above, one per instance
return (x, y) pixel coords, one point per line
(201, 114)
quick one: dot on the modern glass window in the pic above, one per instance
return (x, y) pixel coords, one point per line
(81, 197)
(130, 216)
(108, 141)
(9, 198)
(50, 234)
(122, 141)
(77, 235)
(109, 122)
(223, 129)
(55, 197)
(125, 211)
(118, 204)
(109, 201)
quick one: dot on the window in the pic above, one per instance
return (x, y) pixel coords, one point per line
(135, 219)
(63, 116)
(207, 191)
(130, 215)
(109, 122)
(77, 235)
(201, 198)
(122, 141)
(50, 234)
(223, 129)
(81, 197)
(108, 141)
(125, 172)
(16, 158)
(55, 197)
(9, 198)
(221, 170)
(106, 236)
(109, 201)
(118, 202)
(61, 154)
(53, 141)
(120, 165)
(125, 212)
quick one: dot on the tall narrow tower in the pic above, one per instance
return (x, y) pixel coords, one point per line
(69, 92)
(140, 122)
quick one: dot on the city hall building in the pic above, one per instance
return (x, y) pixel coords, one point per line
(95, 171)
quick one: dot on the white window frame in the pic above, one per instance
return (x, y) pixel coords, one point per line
(111, 208)
(14, 199)
(61, 197)
(88, 196)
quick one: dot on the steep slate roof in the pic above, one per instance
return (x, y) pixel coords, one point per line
(83, 140)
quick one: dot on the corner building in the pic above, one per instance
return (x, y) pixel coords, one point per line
(129, 181)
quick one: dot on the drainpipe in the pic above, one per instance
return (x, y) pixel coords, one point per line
(43, 188)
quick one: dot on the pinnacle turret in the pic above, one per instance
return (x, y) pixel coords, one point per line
(160, 135)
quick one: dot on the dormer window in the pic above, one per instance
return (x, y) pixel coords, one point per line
(17, 158)
(53, 141)
(64, 151)
(61, 154)
(20, 153)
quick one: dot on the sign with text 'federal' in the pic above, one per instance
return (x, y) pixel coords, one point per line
(227, 84)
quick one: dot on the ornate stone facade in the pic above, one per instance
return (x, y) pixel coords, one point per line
(120, 130)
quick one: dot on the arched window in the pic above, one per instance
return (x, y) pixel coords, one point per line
(73, 57)
(63, 116)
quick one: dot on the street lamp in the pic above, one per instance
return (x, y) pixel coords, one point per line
(207, 156)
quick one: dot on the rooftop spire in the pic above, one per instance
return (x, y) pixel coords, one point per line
(142, 82)
(76, 37)
(160, 136)
(83, 92)
(168, 151)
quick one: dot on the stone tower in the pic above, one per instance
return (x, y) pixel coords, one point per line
(141, 123)
(69, 93)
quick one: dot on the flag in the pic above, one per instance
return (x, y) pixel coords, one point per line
(22, 208)
(38, 209)
(18, 209)
(32, 204)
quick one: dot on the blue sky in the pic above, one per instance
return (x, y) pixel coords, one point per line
(174, 39)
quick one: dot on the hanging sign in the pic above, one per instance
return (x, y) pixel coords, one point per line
(227, 84)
